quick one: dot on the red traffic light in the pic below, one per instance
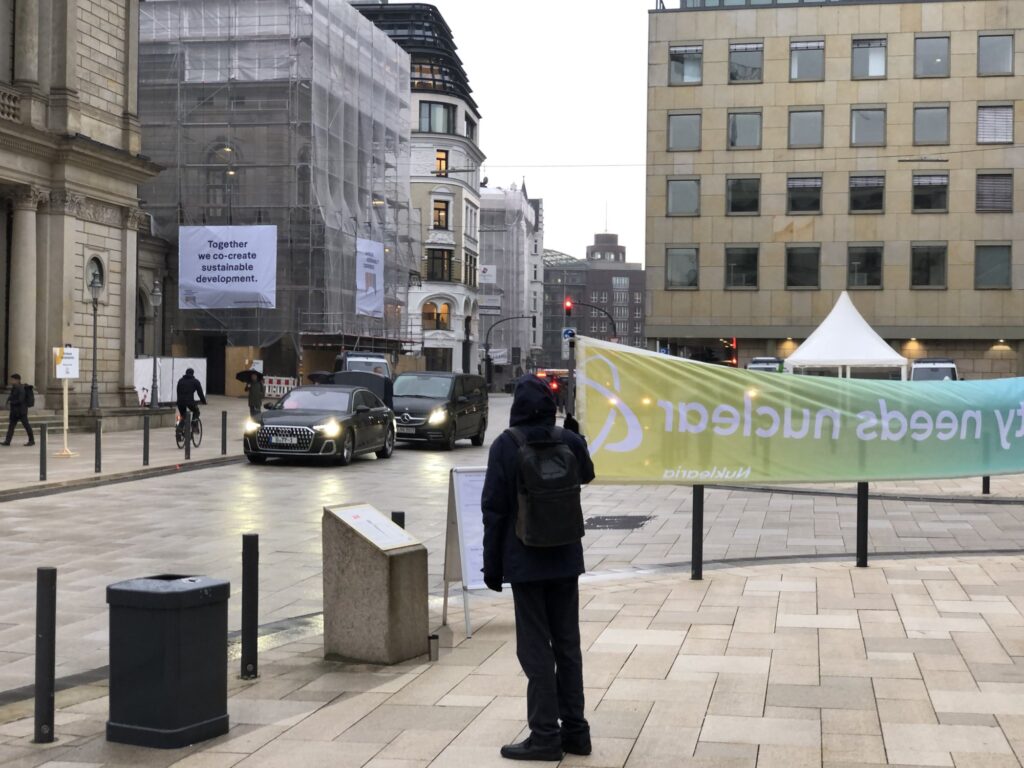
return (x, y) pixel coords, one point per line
(554, 385)
(568, 307)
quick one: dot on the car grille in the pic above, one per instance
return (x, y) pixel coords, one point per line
(408, 420)
(303, 435)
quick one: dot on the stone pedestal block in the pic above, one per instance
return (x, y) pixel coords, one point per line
(375, 588)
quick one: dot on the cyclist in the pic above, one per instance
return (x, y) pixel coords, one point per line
(188, 388)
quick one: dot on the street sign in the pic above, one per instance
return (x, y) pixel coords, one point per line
(65, 361)
(489, 305)
(568, 333)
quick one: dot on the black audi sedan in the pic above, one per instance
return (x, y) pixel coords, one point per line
(335, 422)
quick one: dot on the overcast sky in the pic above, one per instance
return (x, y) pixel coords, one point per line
(562, 91)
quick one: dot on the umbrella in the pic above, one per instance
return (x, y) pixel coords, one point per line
(246, 376)
(321, 377)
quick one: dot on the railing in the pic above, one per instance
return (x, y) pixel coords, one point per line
(10, 104)
(694, 5)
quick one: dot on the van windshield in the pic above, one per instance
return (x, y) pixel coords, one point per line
(368, 365)
(423, 386)
(933, 374)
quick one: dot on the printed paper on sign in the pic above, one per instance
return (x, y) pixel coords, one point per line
(227, 267)
(652, 418)
(369, 278)
(488, 274)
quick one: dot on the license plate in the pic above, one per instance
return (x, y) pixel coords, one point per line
(407, 430)
(279, 440)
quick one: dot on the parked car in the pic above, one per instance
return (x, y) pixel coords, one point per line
(934, 369)
(337, 422)
(440, 408)
(368, 362)
(770, 364)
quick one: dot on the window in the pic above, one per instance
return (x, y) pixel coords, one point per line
(802, 266)
(928, 265)
(620, 313)
(593, 296)
(638, 297)
(681, 268)
(867, 127)
(438, 358)
(440, 214)
(441, 162)
(437, 118)
(620, 297)
(931, 192)
(994, 193)
(995, 55)
(684, 197)
(931, 125)
(744, 130)
(684, 64)
(436, 318)
(638, 328)
(742, 196)
(992, 265)
(638, 312)
(805, 127)
(746, 62)
(995, 124)
(741, 266)
(684, 133)
(931, 57)
(470, 128)
(869, 58)
(439, 264)
(807, 60)
(803, 194)
(864, 266)
(603, 298)
(867, 194)
(620, 283)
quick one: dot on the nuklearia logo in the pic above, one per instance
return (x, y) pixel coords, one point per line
(613, 397)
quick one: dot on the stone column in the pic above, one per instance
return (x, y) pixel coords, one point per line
(26, 43)
(131, 132)
(21, 335)
(64, 102)
(133, 218)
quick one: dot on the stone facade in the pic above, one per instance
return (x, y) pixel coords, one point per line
(947, 310)
(69, 172)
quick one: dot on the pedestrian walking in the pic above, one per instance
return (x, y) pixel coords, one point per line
(255, 390)
(533, 523)
(18, 400)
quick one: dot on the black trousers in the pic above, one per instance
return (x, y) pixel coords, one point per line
(16, 417)
(548, 647)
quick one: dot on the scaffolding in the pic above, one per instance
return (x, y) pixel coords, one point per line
(294, 113)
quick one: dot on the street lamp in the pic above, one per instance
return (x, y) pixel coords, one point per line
(156, 298)
(95, 286)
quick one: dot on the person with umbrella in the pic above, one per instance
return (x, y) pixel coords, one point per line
(254, 386)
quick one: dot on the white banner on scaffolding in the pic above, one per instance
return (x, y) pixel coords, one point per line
(369, 278)
(227, 267)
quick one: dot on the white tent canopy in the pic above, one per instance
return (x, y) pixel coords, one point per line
(844, 340)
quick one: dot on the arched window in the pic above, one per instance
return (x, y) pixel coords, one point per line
(429, 316)
(444, 317)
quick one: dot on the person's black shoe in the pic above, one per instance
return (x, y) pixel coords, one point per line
(5, 442)
(577, 745)
(525, 750)
(29, 445)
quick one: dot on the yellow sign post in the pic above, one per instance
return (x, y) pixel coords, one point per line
(65, 361)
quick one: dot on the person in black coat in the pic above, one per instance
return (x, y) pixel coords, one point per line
(188, 388)
(17, 401)
(544, 587)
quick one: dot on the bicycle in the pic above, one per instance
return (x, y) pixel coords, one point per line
(197, 429)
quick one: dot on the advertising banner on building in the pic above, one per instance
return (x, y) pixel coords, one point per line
(227, 267)
(489, 305)
(652, 418)
(369, 278)
(487, 274)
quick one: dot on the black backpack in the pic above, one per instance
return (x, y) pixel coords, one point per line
(549, 512)
(30, 396)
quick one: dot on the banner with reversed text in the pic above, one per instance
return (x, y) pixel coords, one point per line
(651, 418)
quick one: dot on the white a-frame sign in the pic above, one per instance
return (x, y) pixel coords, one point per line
(464, 537)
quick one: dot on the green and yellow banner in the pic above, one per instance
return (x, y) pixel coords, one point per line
(651, 418)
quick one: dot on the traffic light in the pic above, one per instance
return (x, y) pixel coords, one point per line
(568, 307)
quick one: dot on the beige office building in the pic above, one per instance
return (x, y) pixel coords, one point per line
(799, 149)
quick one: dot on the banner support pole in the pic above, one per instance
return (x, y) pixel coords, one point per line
(570, 398)
(862, 525)
(697, 535)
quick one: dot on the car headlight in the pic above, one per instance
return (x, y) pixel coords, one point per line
(251, 427)
(329, 429)
(437, 416)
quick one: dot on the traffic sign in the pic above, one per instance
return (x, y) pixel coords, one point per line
(568, 333)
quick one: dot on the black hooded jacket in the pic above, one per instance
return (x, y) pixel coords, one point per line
(505, 557)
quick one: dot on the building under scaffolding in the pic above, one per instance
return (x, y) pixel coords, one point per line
(293, 113)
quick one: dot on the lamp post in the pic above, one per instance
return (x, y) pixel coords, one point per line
(95, 286)
(156, 298)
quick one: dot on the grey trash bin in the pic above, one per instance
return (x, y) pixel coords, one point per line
(168, 660)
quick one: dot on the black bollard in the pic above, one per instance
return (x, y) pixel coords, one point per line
(986, 485)
(697, 535)
(250, 603)
(862, 525)
(145, 441)
(46, 650)
(223, 433)
(99, 444)
(42, 452)
(398, 518)
(188, 434)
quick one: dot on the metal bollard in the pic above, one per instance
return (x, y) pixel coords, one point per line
(986, 485)
(99, 444)
(42, 452)
(434, 647)
(862, 525)
(145, 441)
(188, 434)
(46, 649)
(697, 535)
(398, 518)
(250, 604)
(223, 433)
